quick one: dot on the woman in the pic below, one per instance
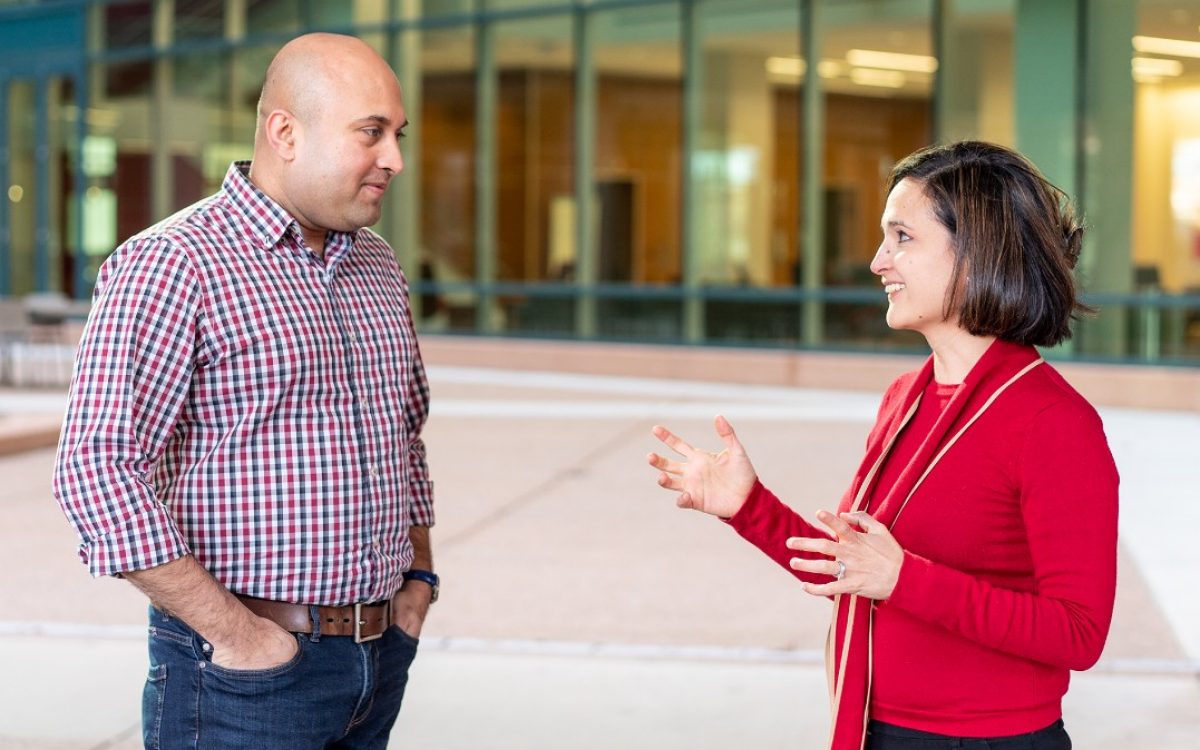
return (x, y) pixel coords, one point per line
(972, 562)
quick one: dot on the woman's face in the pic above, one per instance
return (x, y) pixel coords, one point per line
(915, 261)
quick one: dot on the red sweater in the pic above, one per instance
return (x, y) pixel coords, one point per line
(1009, 571)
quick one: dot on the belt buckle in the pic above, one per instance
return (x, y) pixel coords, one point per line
(359, 622)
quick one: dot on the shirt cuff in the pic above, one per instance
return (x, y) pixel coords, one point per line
(145, 541)
(420, 512)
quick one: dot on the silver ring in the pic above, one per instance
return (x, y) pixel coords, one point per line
(841, 571)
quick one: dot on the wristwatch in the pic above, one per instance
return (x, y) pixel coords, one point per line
(424, 576)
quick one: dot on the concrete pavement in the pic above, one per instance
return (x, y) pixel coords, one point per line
(581, 609)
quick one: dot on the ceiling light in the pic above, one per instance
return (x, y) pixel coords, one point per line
(869, 58)
(1160, 46)
(1156, 66)
(888, 79)
(794, 67)
(786, 66)
(829, 68)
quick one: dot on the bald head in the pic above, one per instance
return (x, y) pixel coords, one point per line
(310, 71)
(327, 141)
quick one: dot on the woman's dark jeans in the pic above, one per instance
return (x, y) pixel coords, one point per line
(882, 736)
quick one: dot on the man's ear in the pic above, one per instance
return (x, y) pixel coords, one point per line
(280, 130)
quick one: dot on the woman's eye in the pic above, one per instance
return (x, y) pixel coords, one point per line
(902, 236)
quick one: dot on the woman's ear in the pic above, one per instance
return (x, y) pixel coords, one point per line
(280, 130)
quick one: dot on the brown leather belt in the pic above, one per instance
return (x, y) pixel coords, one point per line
(365, 622)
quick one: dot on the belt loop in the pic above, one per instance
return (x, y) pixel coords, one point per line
(315, 616)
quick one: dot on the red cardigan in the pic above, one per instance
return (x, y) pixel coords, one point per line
(1009, 570)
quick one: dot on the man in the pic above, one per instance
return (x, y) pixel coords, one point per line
(243, 436)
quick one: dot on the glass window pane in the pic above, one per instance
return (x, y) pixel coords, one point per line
(119, 123)
(536, 100)
(639, 144)
(272, 16)
(638, 167)
(199, 19)
(1166, 177)
(205, 134)
(977, 71)
(21, 193)
(446, 126)
(747, 177)
(878, 109)
(128, 24)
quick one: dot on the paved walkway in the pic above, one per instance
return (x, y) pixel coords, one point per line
(581, 609)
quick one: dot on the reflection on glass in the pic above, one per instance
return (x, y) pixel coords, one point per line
(535, 65)
(1165, 67)
(199, 19)
(127, 24)
(21, 191)
(447, 141)
(877, 67)
(199, 116)
(639, 145)
(745, 171)
(272, 16)
(120, 111)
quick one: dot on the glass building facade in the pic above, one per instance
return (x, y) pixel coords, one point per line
(669, 171)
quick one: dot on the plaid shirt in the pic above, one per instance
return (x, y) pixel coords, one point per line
(238, 398)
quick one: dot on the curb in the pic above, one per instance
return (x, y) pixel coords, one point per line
(24, 434)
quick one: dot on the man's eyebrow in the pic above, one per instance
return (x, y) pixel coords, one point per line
(382, 120)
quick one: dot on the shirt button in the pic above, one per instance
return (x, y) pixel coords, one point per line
(372, 470)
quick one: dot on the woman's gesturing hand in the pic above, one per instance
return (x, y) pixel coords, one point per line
(715, 483)
(865, 560)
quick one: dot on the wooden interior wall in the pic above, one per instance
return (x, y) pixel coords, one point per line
(864, 137)
(638, 138)
(447, 126)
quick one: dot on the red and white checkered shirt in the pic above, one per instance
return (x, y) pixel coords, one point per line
(239, 398)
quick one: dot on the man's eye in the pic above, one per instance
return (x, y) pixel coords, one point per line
(373, 132)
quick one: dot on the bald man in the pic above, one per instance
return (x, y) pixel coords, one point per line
(243, 439)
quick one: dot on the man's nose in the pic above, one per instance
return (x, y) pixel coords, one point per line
(391, 159)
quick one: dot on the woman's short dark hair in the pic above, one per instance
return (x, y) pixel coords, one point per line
(1015, 236)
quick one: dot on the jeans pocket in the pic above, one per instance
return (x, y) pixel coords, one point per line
(153, 697)
(404, 636)
(259, 675)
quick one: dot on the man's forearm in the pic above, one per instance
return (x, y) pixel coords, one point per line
(183, 589)
(422, 551)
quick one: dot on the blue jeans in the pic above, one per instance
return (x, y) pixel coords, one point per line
(333, 694)
(881, 736)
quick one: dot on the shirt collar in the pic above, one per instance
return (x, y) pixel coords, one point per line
(269, 221)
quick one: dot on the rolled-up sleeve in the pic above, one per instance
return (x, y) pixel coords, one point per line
(416, 410)
(132, 376)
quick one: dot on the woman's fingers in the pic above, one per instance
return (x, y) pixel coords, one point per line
(819, 566)
(864, 521)
(727, 435)
(840, 528)
(673, 441)
(812, 544)
(670, 482)
(665, 464)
